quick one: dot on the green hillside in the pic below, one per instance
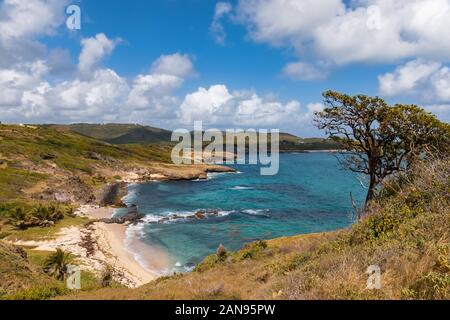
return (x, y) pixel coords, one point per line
(119, 133)
(40, 163)
(137, 134)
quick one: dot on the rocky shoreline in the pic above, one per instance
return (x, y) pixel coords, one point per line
(101, 241)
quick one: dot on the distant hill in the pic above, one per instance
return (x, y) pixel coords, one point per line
(119, 133)
(137, 134)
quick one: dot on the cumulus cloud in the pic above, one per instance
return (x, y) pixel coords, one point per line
(427, 80)
(218, 106)
(93, 50)
(179, 65)
(103, 96)
(21, 22)
(350, 32)
(216, 28)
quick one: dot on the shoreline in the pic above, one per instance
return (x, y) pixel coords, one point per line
(98, 245)
(111, 240)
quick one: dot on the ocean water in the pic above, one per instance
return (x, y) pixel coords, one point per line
(309, 194)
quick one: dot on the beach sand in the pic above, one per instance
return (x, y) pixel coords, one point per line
(109, 249)
(111, 240)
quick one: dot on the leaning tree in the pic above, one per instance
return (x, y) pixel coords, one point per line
(379, 140)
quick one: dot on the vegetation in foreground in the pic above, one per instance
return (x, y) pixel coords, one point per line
(406, 234)
(404, 230)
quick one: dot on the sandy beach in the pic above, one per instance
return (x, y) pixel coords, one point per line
(108, 243)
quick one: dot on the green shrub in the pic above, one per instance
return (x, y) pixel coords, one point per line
(38, 293)
(251, 250)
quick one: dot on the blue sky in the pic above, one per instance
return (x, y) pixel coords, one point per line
(152, 28)
(252, 63)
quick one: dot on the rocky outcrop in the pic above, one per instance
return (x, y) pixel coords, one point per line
(112, 194)
(182, 172)
(132, 216)
(73, 190)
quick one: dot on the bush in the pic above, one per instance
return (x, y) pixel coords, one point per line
(251, 250)
(40, 216)
(221, 253)
(38, 293)
(106, 277)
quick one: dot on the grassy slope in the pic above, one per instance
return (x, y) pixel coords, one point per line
(29, 155)
(119, 133)
(19, 278)
(22, 276)
(406, 234)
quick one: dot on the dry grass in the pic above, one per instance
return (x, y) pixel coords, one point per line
(406, 235)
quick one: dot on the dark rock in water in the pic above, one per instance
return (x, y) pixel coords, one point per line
(132, 216)
(200, 215)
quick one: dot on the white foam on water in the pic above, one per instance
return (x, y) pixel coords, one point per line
(131, 192)
(213, 175)
(241, 188)
(136, 232)
(256, 212)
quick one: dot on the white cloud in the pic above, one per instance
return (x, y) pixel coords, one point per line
(179, 65)
(408, 78)
(216, 28)
(15, 81)
(20, 24)
(103, 96)
(205, 104)
(442, 111)
(218, 106)
(280, 21)
(359, 31)
(21, 19)
(304, 71)
(93, 50)
(425, 81)
(429, 81)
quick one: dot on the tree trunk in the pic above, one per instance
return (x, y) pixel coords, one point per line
(370, 193)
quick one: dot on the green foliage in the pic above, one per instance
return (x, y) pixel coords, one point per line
(251, 250)
(106, 279)
(38, 293)
(208, 263)
(56, 264)
(13, 181)
(291, 263)
(430, 286)
(23, 218)
(380, 140)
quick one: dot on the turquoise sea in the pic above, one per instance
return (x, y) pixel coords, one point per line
(309, 194)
